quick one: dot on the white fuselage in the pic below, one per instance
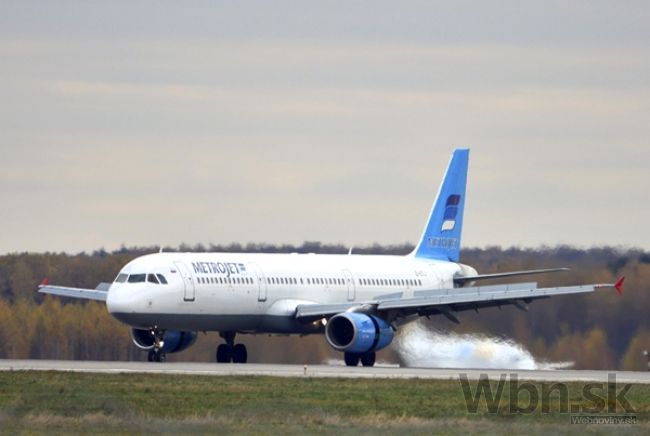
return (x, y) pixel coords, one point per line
(260, 292)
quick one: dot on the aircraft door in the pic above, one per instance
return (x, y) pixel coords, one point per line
(261, 283)
(349, 281)
(188, 281)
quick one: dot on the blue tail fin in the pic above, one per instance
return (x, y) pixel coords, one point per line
(441, 237)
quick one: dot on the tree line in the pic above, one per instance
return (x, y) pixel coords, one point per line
(595, 331)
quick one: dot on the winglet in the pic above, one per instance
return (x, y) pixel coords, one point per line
(45, 282)
(619, 285)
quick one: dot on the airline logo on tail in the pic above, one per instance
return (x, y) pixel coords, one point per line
(451, 211)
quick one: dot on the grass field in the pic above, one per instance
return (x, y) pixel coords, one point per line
(56, 402)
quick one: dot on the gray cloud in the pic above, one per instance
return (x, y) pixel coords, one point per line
(228, 123)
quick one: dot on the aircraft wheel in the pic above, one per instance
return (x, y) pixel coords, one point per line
(368, 359)
(224, 353)
(351, 359)
(239, 353)
(156, 356)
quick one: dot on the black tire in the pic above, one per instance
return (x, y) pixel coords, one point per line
(351, 359)
(156, 356)
(224, 353)
(239, 353)
(368, 359)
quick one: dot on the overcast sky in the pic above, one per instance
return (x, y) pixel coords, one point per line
(162, 122)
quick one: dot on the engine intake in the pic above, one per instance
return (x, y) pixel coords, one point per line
(174, 340)
(358, 333)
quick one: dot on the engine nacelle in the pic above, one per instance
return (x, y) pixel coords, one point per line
(173, 340)
(358, 333)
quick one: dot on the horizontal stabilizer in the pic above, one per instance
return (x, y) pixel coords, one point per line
(465, 279)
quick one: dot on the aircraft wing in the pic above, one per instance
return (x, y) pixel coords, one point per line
(99, 293)
(449, 301)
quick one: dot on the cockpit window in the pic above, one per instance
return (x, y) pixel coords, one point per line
(137, 278)
(162, 279)
(152, 279)
(121, 278)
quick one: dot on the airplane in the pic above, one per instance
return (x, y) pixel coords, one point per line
(357, 301)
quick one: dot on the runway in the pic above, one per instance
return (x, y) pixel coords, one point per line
(213, 369)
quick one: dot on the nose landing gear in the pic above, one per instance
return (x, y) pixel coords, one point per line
(231, 352)
(156, 354)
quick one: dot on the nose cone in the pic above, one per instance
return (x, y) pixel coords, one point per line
(119, 300)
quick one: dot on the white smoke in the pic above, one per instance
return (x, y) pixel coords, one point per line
(420, 347)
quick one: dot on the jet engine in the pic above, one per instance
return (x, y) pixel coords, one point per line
(358, 333)
(173, 340)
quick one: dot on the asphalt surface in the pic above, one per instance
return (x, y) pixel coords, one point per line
(215, 369)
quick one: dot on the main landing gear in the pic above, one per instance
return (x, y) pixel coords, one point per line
(352, 359)
(231, 352)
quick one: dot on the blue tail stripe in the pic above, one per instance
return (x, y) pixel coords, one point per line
(442, 234)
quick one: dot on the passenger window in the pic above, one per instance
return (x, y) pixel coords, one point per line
(137, 278)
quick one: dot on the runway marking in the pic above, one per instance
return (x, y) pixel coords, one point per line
(320, 371)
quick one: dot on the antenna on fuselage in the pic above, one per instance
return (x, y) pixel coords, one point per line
(160, 250)
(350, 251)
